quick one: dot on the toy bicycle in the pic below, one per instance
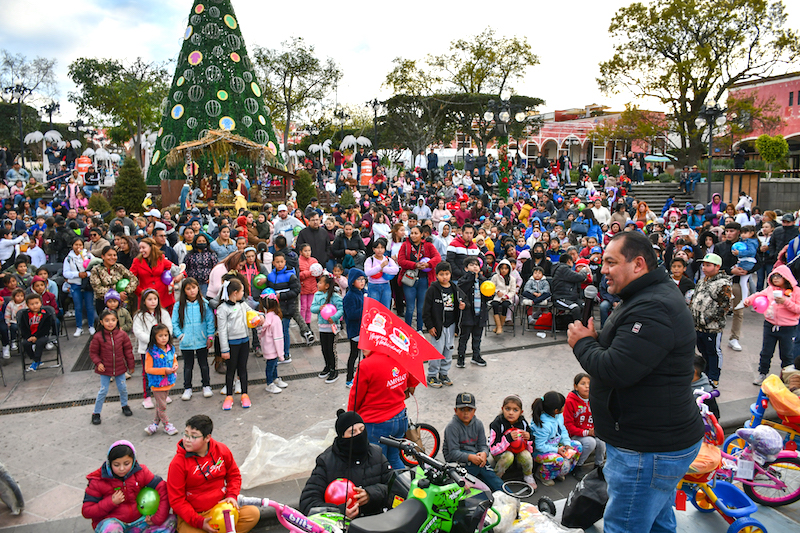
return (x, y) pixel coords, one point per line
(436, 500)
(786, 404)
(428, 440)
(707, 493)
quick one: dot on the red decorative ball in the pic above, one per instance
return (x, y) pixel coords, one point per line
(339, 491)
(517, 446)
(504, 180)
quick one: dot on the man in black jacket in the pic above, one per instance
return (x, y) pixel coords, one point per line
(317, 237)
(351, 456)
(782, 236)
(641, 365)
(566, 286)
(541, 163)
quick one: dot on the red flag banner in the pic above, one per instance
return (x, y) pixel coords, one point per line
(383, 331)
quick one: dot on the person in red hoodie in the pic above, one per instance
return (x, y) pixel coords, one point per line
(580, 426)
(201, 475)
(110, 497)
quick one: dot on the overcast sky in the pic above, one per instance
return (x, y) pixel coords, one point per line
(570, 37)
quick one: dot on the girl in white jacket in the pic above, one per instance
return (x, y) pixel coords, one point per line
(149, 314)
(234, 339)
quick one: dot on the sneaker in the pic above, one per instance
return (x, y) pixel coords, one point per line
(715, 383)
(228, 403)
(460, 363)
(285, 361)
(14, 345)
(69, 314)
(332, 377)
(561, 477)
(96, 419)
(128, 375)
(280, 383)
(735, 346)
(91, 330)
(187, 395)
(740, 306)
(434, 382)
(324, 373)
(207, 392)
(273, 388)
(78, 332)
(170, 430)
(545, 482)
(49, 346)
(237, 387)
(126, 410)
(6, 352)
(348, 384)
(151, 429)
(478, 360)
(444, 380)
(309, 336)
(224, 390)
(759, 379)
(34, 366)
(148, 403)
(530, 481)
(245, 401)
(169, 400)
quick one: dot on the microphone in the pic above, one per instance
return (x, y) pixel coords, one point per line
(589, 294)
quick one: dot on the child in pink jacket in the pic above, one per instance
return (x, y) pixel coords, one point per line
(308, 281)
(270, 335)
(780, 318)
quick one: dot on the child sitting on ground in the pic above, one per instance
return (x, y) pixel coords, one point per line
(554, 451)
(110, 497)
(510, 440)
(579, 424)
(465, 442)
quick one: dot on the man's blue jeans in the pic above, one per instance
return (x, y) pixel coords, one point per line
(394, 427)
(641, 489)
(88, 190)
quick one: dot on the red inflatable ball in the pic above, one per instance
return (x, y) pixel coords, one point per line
(339, 491)
(517, 446)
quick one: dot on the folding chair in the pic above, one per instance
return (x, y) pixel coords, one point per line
(53, 337)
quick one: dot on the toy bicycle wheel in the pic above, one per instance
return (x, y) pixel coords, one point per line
(786, 470)
(746, 524)
(429, 444)
(701, 503)
(733, 445)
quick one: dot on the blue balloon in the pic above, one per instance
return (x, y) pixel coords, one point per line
(739, 247)
(267, 292)
(387, 277)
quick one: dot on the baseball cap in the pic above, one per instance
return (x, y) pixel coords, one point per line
(714, 259)
(698, 207)
(465, 399)
(788, 217)
(153, 213)
(283, 207)
(160, 225)
(596, 250)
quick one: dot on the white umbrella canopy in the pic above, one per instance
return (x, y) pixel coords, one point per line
(62, 144)
(347, 142)
(88, 152)
(52, 136)
(34, 137)
(315, 148)
(301, 153)
(363, 141)
(115, 158)
(76, 143)
(102, 155)
(292, 153)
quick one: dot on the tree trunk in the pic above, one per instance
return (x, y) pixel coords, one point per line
(137, 146)
(290, 160)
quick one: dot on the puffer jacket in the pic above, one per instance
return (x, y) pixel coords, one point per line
(711, 301)
(97, 504)
(500, 434)
(196, 328)
(308, 283)
(371, 473)
(319, 302)
(787, 313)
(104, 279)
(287, 287)
(501, 287)
(353, 303)
(231, 323)
(550, 435)
(143, 322)
(113, 350)
(566, 283)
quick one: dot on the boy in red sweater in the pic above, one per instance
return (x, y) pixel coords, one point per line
(201, 475)
(580, 426)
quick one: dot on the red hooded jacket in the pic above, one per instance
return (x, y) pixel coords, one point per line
(195, 484)
(577, 415)
(97, 504)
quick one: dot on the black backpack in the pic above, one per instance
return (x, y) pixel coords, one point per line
(587, 501)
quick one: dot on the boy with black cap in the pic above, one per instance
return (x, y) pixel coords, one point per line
(465, 442)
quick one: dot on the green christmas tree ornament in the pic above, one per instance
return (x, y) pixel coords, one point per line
(214, 88)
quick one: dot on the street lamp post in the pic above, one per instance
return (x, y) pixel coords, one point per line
(18, 92)
(314, 131)
(711, 113)
(375, 104)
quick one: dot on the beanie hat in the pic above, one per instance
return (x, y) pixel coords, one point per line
(582, 261)
(346, 419)
(112, 295)
(241, 221)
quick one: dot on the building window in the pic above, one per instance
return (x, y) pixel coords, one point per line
(791, 98)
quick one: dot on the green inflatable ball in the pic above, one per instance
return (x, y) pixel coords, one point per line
(122, 285)
(581, 206)
(260, 281)
(147, 501)
(297, 230)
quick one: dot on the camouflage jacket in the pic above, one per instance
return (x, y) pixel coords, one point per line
(711, 302)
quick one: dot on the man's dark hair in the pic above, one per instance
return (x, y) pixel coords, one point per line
(32, 296)
(565, 258)
(635, 244)
(733, 225)
(678, 260)
(467, 225)
(280, 242)
(201, 423)
(444, 266)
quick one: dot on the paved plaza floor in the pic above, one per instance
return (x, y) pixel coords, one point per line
(49, 445)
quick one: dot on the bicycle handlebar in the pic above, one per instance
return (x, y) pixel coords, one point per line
(451, 470)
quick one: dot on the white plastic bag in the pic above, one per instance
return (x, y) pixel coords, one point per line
(531, 520)
(507, 507)
(273, 458)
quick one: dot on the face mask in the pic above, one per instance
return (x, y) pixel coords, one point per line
(538, 255)
(359, 445)
(201, 245)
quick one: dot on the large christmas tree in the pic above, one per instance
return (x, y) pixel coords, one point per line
(214, 87)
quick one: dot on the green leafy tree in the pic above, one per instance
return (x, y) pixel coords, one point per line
(37, 74)
(118, 94)
(9, 125)
(347, 198)
(772, 150)
(304, 187)
(130, 188)
(747, 114)
(685, 52)
(294, 79)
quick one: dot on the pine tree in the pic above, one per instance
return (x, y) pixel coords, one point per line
(214, 87)
(305, 189)
(130, 189)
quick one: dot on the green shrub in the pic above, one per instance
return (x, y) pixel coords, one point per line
(98, 202)
(130, 188)
(347, 198)
(595, 172)
(459, 165)
(304, 187)
(648, 177)
(723, 163)
(664, 177)
(613, 170)
(755, 164)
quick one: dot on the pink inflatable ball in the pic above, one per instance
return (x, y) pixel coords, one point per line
(760, 303)
(327, 311)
